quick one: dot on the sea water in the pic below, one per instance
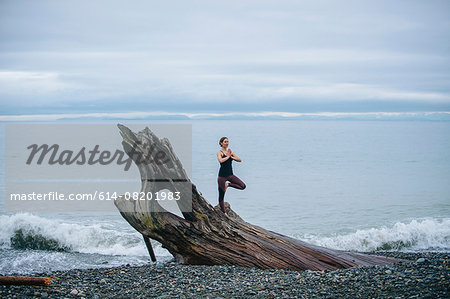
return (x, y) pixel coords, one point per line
(350, 185)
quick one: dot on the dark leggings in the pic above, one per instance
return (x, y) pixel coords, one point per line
(235, 182)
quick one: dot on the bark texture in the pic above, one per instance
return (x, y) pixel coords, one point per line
(207, 236)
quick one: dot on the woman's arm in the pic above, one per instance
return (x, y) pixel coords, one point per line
(235, 157)
(219, 157)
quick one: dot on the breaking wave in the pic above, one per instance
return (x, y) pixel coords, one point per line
(26, 231)
(418, 235)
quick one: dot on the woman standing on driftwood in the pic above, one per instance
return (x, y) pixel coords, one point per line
(226, 177)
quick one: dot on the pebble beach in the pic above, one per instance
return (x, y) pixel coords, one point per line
(422, 275)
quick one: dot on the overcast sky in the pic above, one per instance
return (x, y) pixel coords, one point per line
(224, 56)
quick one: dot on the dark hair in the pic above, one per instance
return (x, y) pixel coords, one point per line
(221, 140)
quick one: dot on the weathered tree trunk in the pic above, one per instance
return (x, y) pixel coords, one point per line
(206, 235)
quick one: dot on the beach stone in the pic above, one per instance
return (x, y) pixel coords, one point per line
(420, 260)
(74, 292)
(388, 272)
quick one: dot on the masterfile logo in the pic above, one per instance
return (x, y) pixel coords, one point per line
(84, 167)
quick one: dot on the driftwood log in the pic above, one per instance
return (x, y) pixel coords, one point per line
(25, 280)
(207, 236)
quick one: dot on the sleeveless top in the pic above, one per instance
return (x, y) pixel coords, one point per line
(225, 167)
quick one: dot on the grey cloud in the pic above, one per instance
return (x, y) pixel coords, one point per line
(289, 55)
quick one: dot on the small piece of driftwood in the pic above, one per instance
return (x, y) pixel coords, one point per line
(25, 280)
(149, 248)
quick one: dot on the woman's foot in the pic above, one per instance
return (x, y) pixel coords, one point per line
(227, 183)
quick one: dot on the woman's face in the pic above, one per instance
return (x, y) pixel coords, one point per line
(225, 143)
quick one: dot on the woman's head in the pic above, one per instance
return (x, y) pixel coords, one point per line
(223, 141)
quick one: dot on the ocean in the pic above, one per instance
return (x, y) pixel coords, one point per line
(351, 185)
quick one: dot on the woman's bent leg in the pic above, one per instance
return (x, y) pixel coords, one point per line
(235, 182)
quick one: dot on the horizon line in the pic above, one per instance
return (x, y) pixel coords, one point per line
(161, 115)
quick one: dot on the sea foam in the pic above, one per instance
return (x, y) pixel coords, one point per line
(417, 235)
(27, 231)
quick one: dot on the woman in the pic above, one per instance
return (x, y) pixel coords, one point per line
(226, 177)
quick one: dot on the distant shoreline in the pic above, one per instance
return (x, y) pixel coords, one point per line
(261, 115)
(426, 275)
